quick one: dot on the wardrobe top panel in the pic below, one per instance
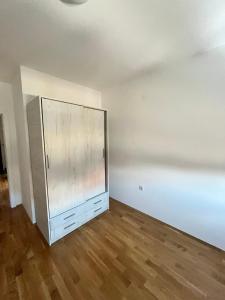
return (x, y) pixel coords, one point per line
(50, 99)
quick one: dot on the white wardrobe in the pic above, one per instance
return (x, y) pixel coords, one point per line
(68, 148)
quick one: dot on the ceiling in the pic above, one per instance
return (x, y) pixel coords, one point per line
(104, 42)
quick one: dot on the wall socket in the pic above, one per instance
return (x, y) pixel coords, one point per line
(140, 188)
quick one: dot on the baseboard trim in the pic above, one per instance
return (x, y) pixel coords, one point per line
(171, 227)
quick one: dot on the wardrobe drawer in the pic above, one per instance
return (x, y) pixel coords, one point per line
(96, 202)
(91, 214)
(71, 214)
(63, 229)
(77, 212)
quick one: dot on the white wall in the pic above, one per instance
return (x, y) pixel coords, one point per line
(2, 144)
(27, 84)
(38, 83)
(7, 111)
(167, 133)
(23, 149)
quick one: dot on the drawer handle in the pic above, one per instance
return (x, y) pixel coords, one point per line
(98, 209)
(69, 216)
(69, 225)
(47, 160)
(98, 202)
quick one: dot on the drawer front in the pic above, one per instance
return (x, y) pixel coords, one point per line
(63, 229)
(92, 205)
(59, 230)
(96, 202)
(91, 214)
(65, 217)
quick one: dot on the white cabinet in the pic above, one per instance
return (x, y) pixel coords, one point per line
(68, 147)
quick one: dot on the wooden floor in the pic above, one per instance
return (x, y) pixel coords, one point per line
(122, 254)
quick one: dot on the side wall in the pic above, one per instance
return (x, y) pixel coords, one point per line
(7, 110)
(42, 84)
(2, 144)
(28, 84)
(167, 135)
(23, 149)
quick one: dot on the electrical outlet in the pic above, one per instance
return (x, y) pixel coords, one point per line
(140, 188)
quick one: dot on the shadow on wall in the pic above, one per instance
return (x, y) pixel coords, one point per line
(184, 194)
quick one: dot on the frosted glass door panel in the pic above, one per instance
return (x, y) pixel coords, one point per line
(65, 156)
(95, 153)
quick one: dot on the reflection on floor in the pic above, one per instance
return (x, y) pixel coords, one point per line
(122, 254)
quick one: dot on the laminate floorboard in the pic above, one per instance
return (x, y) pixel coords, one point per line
(122, 254)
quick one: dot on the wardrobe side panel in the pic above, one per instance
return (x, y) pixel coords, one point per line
(35, 129)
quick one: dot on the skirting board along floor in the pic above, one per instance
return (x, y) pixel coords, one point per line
(122, 254)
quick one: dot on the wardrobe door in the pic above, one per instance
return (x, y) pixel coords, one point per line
(95, 152)
(64, 149)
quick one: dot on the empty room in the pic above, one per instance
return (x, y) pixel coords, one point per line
(112, 149)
